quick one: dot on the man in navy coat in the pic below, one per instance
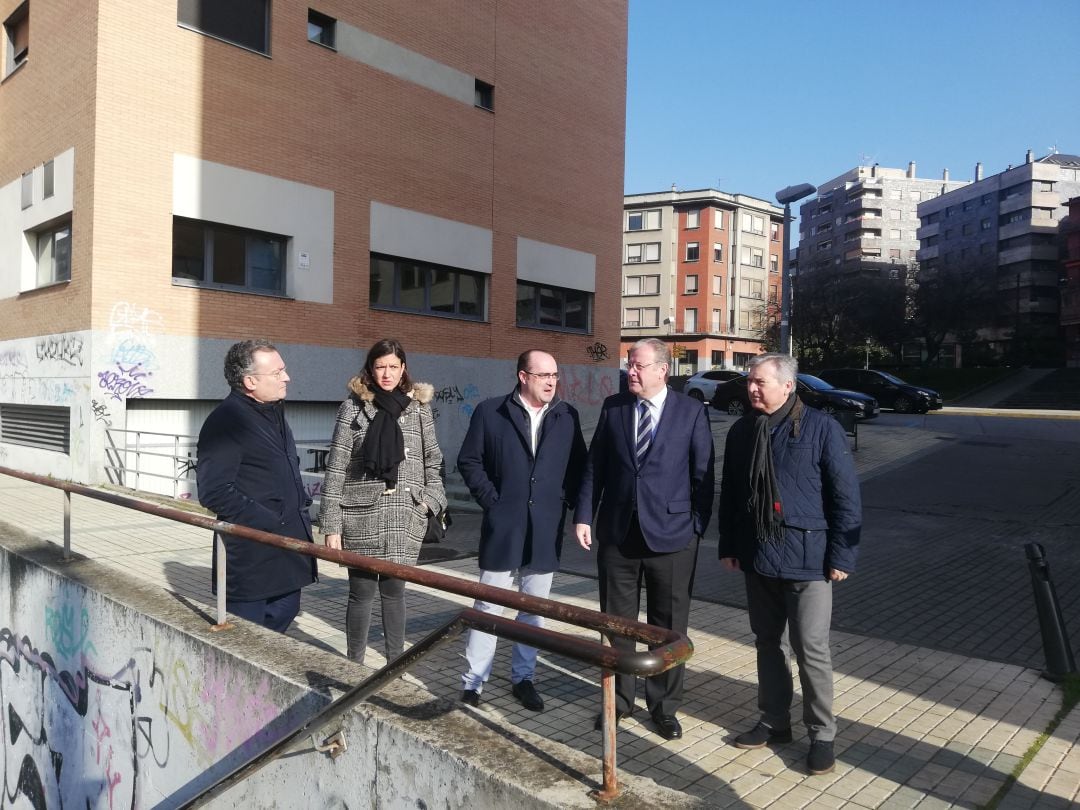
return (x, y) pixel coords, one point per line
(249, 474)
(522, 460)
(648, 490)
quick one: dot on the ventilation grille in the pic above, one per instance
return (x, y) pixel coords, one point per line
(42, 426)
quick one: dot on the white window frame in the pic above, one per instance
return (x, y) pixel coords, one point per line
(635, 317)
(696, 247)
(690, 286)
(650, 219)
(52, 266)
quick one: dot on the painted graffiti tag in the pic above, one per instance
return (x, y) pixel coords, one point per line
(596, 352)
(128, 319)
(133, 352)
(449, 393)
(12, 363)
(585, 388)
(101, 413)
(68, 635)
(126, 382)
(64, 348)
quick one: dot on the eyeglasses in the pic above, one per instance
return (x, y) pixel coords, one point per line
(277, 375)
(639, 367)
(545, 375)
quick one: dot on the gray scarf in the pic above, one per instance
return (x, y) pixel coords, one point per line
(764, 502)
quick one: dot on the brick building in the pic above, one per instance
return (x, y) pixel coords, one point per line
(701, 272)
(177, 176)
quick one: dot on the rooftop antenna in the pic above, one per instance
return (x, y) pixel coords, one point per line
(1053, 149)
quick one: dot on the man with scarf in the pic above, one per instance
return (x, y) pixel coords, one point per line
(522, 459)
(248, 473)
(790, 517)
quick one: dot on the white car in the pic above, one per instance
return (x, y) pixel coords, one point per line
(700, 386)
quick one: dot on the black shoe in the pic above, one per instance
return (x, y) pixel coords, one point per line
(470, 697)
(761, 735)
(619, 715)
(526, 693)
(668, 726)
(820, 759)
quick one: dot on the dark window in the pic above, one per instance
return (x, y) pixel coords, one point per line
(17, 36)
(206, 254)
(242, 22)
(430, 289)
(42, 426)
(320, 28)
(47, 184)
(692, 251)
(52, 252)
(553, 307)
(27, 190)
(484, 95)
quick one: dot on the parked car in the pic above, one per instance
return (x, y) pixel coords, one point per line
(890, 391)
(700, 386)
(733, 398)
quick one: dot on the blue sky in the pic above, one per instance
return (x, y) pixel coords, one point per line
(750, 96)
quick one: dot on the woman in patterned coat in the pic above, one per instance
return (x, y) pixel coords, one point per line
(382, 481)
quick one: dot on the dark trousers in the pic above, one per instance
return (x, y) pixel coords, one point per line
(276, 613)
(362, 586)
(669, 581)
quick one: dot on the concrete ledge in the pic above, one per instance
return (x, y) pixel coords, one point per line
(120, 692)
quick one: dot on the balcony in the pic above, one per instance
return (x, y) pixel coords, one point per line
(928, 253)
(926, 231)
(1024, 253)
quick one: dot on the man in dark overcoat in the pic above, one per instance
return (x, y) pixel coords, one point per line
(249, 474)
(522, 460)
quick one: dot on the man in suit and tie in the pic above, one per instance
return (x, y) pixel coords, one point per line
(648, 488)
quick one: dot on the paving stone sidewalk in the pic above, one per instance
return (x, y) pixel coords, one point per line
(918, 727)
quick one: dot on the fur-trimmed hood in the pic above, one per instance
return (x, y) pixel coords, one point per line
(422, 392)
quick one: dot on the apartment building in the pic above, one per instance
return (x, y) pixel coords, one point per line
(1006, 225)
(865, 221)
(178, 176)
(701, 271)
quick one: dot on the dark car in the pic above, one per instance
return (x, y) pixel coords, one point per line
(890, 391)
(733, 398)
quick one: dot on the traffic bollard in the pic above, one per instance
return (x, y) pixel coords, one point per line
(1056, 648)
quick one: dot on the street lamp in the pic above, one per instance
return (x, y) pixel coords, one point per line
(786, 197)
(867, 366)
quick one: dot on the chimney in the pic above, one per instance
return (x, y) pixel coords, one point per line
(911, 169)
(873, 170)
(674, 188)
(945, 175)
(1030, 158)
(978, 172)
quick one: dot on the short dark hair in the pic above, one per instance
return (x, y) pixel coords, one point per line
(381, 349)
(240, 360)
(523, 360)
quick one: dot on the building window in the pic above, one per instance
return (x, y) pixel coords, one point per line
(206, 254)
(894, 233)
(52, 250)
(751, 288)
(643, 252)
(693, 218)
(986, 247)
(718, 219)
(715, 324)
(774, 294)
(691, 251)
(894, 253)
(753, 224)
(643, 220)
(915, 195)
(429, 289)
(641, 317)
(642, 285)
(45, 427)
(547, 307)
(690, 320)
(321, 29)
(774, 263)
(968, 228)
(827, 244)
(717, 358)
(242, 22)
(17, 38)
(27, 190)
(755, 257)
(717, 284)
(691, 287)
(47, 180)
(984, 224)
(774, 231)
(484, 95)
(718, 252)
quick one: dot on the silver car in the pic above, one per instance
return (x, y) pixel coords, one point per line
(701, 386)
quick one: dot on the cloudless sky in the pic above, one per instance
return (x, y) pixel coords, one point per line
(750, 96)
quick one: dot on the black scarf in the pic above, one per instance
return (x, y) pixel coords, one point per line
(765, 502)
(384, 446)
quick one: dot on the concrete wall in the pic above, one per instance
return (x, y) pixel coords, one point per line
(114, 694)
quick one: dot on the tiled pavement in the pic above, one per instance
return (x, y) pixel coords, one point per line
(918, 727)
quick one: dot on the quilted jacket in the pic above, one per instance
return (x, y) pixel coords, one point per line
(372, 520)
(819, 491)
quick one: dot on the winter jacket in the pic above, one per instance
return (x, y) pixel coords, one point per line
(819, 493)
(523, 495)
(371, 519)
(248, 473)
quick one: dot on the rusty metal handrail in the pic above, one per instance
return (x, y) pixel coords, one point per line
(668, 648)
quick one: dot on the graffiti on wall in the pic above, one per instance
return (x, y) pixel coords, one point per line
(66, 349)
(596, 352)
(125, 382)
(585, 386)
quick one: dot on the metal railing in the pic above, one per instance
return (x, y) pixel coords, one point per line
(668, 648)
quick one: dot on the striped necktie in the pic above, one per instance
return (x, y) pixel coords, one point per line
(644, 430)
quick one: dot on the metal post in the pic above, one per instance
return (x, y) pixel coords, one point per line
(67, 525)
(785, 285)
(1056, 648)
(175, 466)
(137, 435)
(609, 729)
(219, 553)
